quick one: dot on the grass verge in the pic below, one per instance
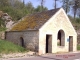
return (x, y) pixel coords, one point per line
(78, 47)
(8, 47)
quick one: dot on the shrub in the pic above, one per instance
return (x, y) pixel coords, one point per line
(77, 20)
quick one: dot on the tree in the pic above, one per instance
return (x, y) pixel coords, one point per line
(29, 7)
(16, 3)
(66, 5)
(38, 9)
(75, 6)
(55, 5)
(4, 3)
(42, 4)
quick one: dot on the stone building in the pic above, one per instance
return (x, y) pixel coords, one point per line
(45, 32)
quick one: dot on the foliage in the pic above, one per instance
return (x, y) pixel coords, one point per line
(29, 8)
(42, 4)
(75, 22)
(39, 9)
(75, 6)
(8, 47)
(16, 9)
(2, 29)
(4, 2)
(2, 23)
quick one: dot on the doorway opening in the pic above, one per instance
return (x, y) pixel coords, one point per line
(22, 41)
(48, 43)
(61, 38)
(70, 43)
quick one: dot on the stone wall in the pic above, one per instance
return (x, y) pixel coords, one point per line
(31, 39)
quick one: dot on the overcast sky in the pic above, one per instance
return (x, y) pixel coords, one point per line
(48, 3)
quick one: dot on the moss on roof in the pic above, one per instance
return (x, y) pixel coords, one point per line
(34, 21)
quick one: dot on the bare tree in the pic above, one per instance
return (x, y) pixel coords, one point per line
(55, 4)
(75, 7)
(66, 5)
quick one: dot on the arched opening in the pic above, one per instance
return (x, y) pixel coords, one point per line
(22, 41)
(61, 38)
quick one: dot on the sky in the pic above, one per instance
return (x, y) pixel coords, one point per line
(48, 3)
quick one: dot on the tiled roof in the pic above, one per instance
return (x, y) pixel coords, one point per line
(34, 21)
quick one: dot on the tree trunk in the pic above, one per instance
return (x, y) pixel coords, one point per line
(42, 4)
(55, 4)
(75, 11)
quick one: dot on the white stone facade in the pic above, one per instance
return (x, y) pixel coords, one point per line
(58, 22)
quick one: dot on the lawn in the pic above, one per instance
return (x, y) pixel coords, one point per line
(8, 47)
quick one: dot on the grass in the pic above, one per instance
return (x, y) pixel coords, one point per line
(2, 28)
(8, 47)
(78, 47)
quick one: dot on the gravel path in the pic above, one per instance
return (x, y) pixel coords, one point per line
(16, 55)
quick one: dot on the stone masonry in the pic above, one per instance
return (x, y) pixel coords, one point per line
(31, 39)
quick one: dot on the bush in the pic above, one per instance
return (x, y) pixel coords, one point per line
(2, 29)
(77, 20)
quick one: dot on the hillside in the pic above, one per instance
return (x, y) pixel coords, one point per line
(76, 24)
(8, 47)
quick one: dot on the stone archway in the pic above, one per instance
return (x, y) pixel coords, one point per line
(61, 38)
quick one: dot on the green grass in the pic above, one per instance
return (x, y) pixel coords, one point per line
(78, 47)
(8, 47)
(2, 28)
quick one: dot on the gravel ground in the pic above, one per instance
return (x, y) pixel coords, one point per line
(16, 55)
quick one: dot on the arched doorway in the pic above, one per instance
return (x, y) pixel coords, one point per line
(22, 41)
(61, 38)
